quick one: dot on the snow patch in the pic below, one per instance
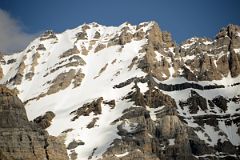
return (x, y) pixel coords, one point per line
(207, 42)
(171, 141)
(121, 155)
(143, 87)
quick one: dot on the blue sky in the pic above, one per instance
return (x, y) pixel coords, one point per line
(183, 18)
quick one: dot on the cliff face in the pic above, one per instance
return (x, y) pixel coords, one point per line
(21, 139)
(196, 59)
(159, 129)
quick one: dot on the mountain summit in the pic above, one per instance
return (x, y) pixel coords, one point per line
(130, 92)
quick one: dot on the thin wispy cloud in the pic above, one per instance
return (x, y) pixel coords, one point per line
(12, 37)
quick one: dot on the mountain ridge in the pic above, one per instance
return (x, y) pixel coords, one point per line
(143, 95)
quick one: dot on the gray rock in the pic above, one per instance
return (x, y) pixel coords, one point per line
(61, 82)
(234, 64)
(70, 52)
(48, 35)
(74, 144)
(99, 47)
(97, 35)
(195, 102)
(125, 37)
(221, 102)
(21, 139)
(81, 36)
(86, 109)
(41, 47)
(45, 120)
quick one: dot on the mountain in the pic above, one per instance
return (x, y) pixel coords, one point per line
(130, 92)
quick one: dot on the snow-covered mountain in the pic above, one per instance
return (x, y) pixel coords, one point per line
(130, 92)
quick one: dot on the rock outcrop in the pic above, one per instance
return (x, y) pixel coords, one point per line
(35, 58)
(45, 120)
(70, 52)
(81, 36)
(21, 139)
(195, 103)
(41, 47)
(212, 61)
(234, 64)
(1, 61)
(17, 79)
(48, 35)
(142, 138)
(167, 136)
(1, 73)
(94, 106)
(200, 59)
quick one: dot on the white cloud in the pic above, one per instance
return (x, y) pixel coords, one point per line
(12, 36)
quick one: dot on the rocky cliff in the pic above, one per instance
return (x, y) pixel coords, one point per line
(21, 139)
(124, 93)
